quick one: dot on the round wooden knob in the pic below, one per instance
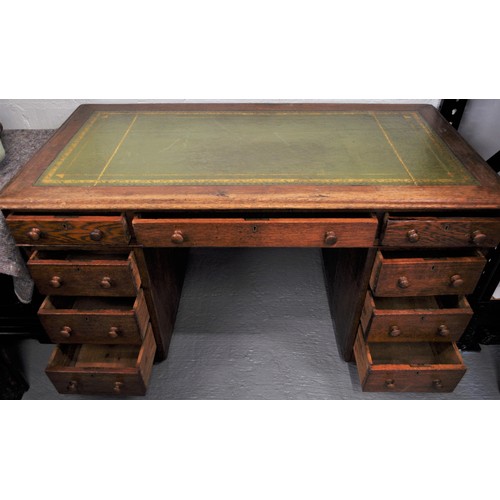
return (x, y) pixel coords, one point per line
(403, 282)
(56, 282)
(177, 237)
(113, 332)
(412, 236)
(330, 238)
(394, 331)
(106, 282)
(73, 386)
(66, 332)
(117, 388)
(34, 234)
(437, 384)
(443, 330)
(456, 281)
(390, 383)
(478, 238)
(96, 235)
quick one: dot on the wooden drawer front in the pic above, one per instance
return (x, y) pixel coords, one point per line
(415, 319)
(256, 233)
(396, 274)
(95, 320)
(103, 369)
(441, 232)
(71, 273)
(67, 230)
(408, 367)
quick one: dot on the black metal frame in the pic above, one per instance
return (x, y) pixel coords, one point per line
(453, 110)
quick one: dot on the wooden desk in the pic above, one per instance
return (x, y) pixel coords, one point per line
(404, 210)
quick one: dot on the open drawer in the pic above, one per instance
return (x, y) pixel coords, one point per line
(415, 319)
(95, 320)
(409, 366)
(426, 272)
(85, 273)
(103, 369)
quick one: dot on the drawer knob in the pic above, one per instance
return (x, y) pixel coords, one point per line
(412, 236)
(177, 237)
(66, 332)
(443, 330)
(96, 235)
(113, 332)
(73, 386)
(117, 388)
(403, 282)
(394, 331)
(106, 282)
(56, 282)
(456, 281)
(437, 384)
(478, 238)
(390, 383)
(330, 238)
(34, 234)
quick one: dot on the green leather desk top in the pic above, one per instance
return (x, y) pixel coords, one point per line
(254, 157)
(255, 148)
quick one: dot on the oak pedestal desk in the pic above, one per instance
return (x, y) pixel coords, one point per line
(405, 213)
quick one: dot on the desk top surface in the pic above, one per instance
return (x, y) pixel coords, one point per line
(142, 157)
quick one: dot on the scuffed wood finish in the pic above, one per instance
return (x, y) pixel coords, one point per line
(346, 274)
(407, 274)
(351, 232)
(67, 273)
(165, 269)
(441, 232)
(415, 319)
(92, 320)
(114, 370)
(21, 193)
(413, 367)
(68, 230)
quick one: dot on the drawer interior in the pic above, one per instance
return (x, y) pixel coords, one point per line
(89, 304)
(421, 303)
(109, 357)
(414, 354)
(429, 254)
(77, 256)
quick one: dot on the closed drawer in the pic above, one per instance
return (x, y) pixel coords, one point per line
(90, 274)
(349, 232)
(103, 369)
(415, 319)
(441, 232)
(68, 230)
(95, 320)
(408, 367)
(398, 274)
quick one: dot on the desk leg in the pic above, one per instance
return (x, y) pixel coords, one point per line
(347, 274)
(162, 273)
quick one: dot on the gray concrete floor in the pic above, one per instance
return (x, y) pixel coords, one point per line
(255, 324)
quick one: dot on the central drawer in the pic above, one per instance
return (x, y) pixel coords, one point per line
(407, 274)
(233, 232)
(89, 274)
(95, 320)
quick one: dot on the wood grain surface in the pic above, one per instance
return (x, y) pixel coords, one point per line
(482, 192)
(256, 233)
